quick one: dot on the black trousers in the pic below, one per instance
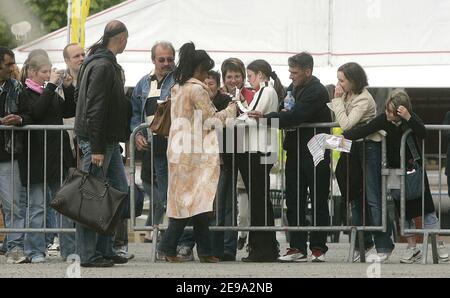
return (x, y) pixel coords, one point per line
(299, 180)
(255, 173)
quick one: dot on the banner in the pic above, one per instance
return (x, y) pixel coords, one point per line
(79, 14)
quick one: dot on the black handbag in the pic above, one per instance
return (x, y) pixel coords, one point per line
(89, 201)
(138, 202)
(413, 179)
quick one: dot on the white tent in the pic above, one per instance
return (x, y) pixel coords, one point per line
(402, 43)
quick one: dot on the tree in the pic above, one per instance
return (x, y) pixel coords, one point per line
(51, 15)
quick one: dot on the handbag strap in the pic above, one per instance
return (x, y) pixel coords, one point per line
(259, 97)
(412, 148)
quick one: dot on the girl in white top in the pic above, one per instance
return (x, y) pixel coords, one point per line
(257, 159)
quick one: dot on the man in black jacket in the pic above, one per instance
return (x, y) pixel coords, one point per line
(101, 122)
(301, 176)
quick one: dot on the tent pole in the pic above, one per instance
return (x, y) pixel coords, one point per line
(69, 19)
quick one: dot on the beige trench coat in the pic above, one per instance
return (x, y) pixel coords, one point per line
(193, 150)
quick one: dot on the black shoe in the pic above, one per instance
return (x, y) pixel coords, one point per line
(98, 263)
(260, 259)
(116, 259)
(227, 258)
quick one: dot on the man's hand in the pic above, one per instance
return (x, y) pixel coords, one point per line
(97, 159)
(141, 142)
(255, 114)
(11, 119)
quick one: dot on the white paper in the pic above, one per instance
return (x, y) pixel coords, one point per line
(319, 143)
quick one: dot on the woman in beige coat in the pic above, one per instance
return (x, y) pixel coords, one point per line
(192, 153)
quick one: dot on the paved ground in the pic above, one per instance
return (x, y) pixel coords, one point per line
(141, 266)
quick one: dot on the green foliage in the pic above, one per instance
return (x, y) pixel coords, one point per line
(52, 14)
(6, 37)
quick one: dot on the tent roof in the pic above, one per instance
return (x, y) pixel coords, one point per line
(398, 43)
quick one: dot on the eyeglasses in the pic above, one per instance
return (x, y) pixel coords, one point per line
(164, 59)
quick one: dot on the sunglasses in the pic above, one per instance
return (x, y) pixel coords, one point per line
(164, 59)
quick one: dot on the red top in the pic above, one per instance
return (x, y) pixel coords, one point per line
(248, 95)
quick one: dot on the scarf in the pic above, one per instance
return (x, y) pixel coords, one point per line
(34, 86)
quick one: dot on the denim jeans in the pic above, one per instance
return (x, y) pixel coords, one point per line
(371, 152)
(170, 239)
(14, 209)
(35, 243)
(160, 193)
(430, 221)
(225, 242)
(91, 245)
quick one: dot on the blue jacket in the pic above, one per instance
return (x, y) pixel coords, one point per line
(138, 102)
(139, 98)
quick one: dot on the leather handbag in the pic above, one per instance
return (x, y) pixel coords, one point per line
(161, 122)
(89, 201)
(413, 178)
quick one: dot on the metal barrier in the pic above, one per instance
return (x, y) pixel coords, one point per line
(330, 228)
(427, 233)
(27, 130)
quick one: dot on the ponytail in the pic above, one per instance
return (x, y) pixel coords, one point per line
(264, 67)
(189, 60)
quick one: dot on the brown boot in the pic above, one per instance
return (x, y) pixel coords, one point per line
(172, 259)
(210, 259)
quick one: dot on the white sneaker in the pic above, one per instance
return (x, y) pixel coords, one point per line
(317, 256)
(411, 255)
(381, 257)
(357, 256)
(293, 255)
(185, 253)
(16, 256)
(38, 259)
(443, 253)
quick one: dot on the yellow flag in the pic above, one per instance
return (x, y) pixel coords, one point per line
(80, 12)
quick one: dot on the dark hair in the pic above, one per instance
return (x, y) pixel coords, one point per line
(233, 64)
(5, 51)
(264, 67)
(66, 48)
(356, 75)
(189, 60)
(112, 29)
(215, 75)
(164, 44)
(303, 60)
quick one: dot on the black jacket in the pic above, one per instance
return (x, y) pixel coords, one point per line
(393, 142)
(310, 107)
(103, 111)
(47, 109)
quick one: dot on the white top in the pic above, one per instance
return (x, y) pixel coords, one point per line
(258, 136)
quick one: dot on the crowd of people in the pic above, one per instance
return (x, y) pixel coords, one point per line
(222, 145)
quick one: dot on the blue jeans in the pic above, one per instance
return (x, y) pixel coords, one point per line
(371, 152)
(225, 242)
(91, 245)
(160, 193)
(170, 239)
(14, 209)
(35, 243)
